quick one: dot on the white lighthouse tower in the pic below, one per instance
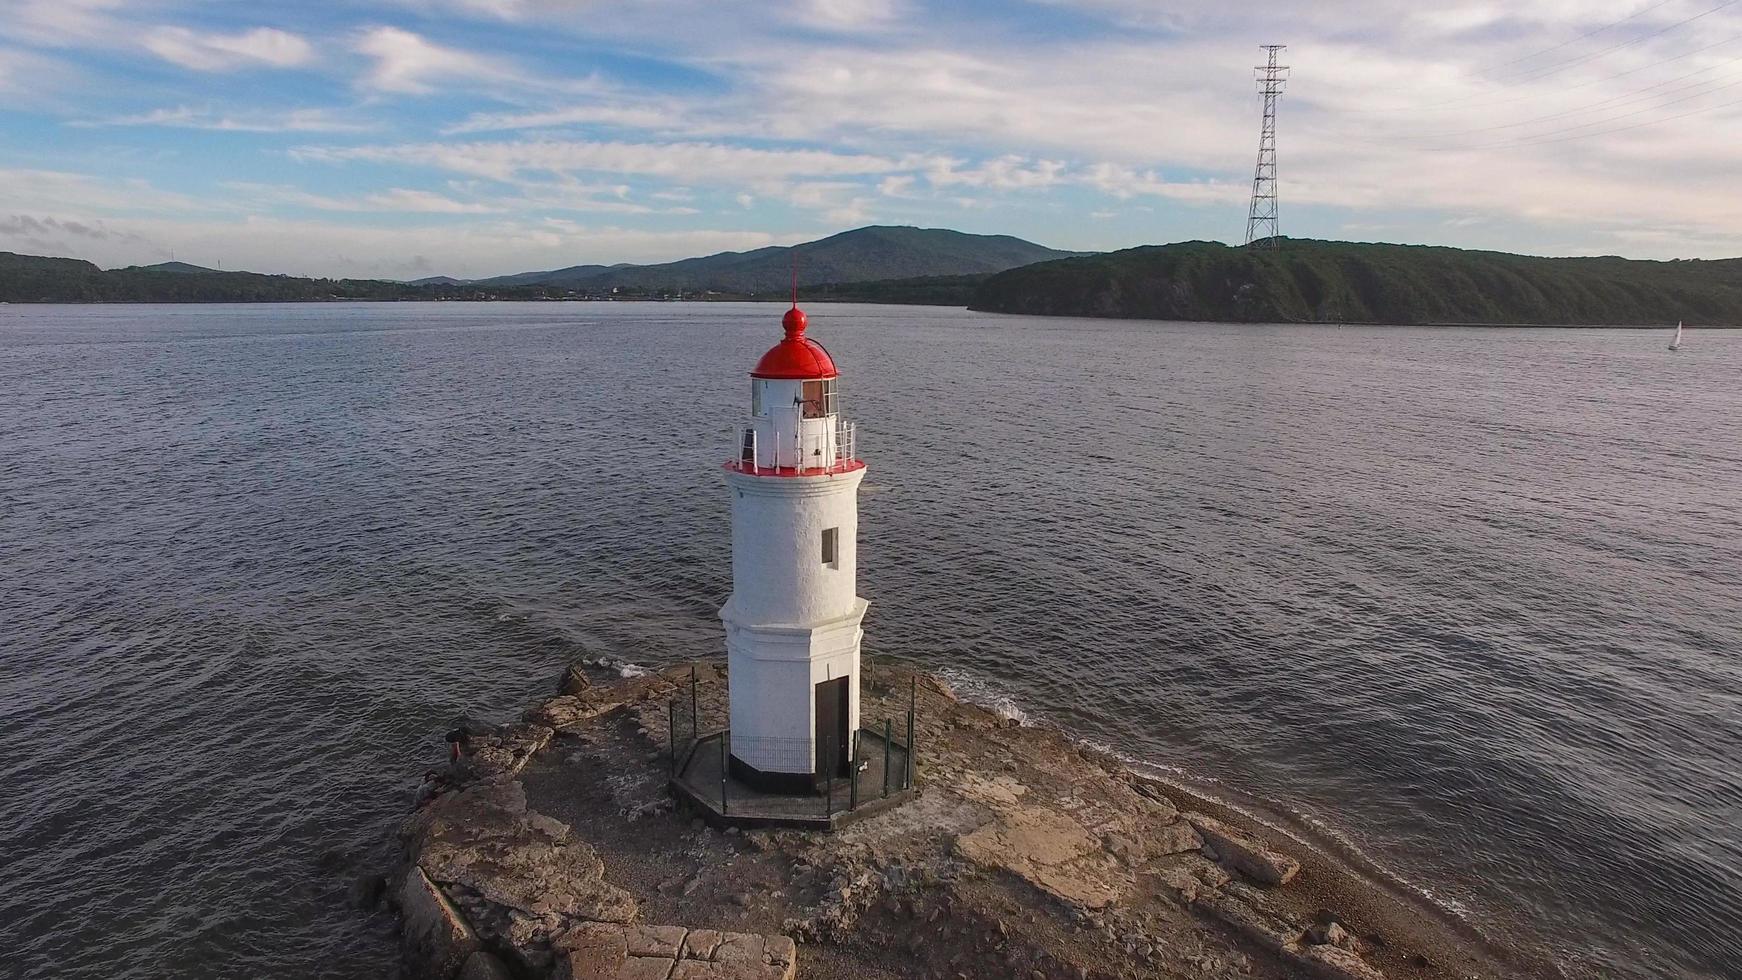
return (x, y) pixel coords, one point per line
(792, 621)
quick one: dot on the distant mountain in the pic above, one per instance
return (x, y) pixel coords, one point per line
(176, 268)
(438, 281)
(874, 253)
(36, 279)
(574, 275)
(1305, 281)
(14, 264)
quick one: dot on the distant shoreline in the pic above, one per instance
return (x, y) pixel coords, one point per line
(842, 301)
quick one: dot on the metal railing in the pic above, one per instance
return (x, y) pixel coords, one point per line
(810, 448)
(702, 764)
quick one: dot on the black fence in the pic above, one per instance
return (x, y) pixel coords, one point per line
(881, 764)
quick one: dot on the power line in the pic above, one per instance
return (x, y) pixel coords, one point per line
(1623, 129)
(1590, 33)
(1624, 44)
(1624, 98)
(1540, 137)
(1261, 223)
(1569, 88)
(1466, 101)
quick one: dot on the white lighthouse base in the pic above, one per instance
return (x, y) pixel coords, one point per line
(794, 693)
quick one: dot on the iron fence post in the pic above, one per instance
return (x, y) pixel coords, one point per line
(671, 732)
(695, 712)
(829, 788)
(886, 737)
(853, 774)
(722, 772)
(912, 699)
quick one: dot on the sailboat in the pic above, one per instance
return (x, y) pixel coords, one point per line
(1676, 344)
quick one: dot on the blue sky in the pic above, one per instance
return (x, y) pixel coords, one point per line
(477, 137)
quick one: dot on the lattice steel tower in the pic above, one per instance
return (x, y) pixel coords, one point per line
(1261, 216)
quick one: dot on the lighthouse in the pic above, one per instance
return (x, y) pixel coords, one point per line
(793, 620)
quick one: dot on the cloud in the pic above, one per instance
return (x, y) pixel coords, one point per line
(60, 23)
(635, 117)
(252, 121)
(688, 162)
(396, 200)
(1009, 172)
(466, 248)
(1124, 182)
(260, 47)
(25, 72)
(508, 10)
(898, 185)
(26, 226)
(848, 14)
(406, 63)
(42, 190)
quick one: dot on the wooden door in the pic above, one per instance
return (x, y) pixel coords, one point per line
(832, 745)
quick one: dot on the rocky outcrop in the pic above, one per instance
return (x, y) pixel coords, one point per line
(435, 938)
(603, 952)
(483, 966)
(1024, 854)
(574, 680)
(499, 753)
(1250, 857)
(1050, 851)
(490, 879)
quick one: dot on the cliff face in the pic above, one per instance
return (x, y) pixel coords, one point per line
(1342, 282)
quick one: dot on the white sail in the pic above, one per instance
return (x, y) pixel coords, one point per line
(1677, 342)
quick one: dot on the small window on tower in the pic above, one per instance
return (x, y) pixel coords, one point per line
(756, 398)
(831, 547)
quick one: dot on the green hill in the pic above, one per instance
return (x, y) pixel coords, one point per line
(868, 254)
(183, 268)
(1305, 281)
(34, 279)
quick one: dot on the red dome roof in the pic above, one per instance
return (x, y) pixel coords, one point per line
(797, 357)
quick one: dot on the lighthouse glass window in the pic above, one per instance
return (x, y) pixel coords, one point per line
(831, 547)
(819, 399)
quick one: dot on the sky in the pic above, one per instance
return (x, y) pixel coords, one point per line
(406, 138)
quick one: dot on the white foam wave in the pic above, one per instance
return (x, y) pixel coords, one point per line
(975, 690)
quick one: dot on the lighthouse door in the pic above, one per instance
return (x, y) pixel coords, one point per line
(832, 746)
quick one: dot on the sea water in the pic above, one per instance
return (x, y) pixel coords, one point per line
(1469, 599)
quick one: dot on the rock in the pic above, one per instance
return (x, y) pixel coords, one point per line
(1151, 791)
(644, 968)
(1182, 882)
(592, 951)
(1050, 851)
(700, 944)
(1175, 838)
(521, 876)
(1251, 858)
(655, 941)
(1212, 876)
(1326, 931)
(1261, 927)
(366, 891)
(501, 752)
(435, 938)
(1122, 848)
(1333, 962)
(483, 966)
(574, 680)
(563, 711)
